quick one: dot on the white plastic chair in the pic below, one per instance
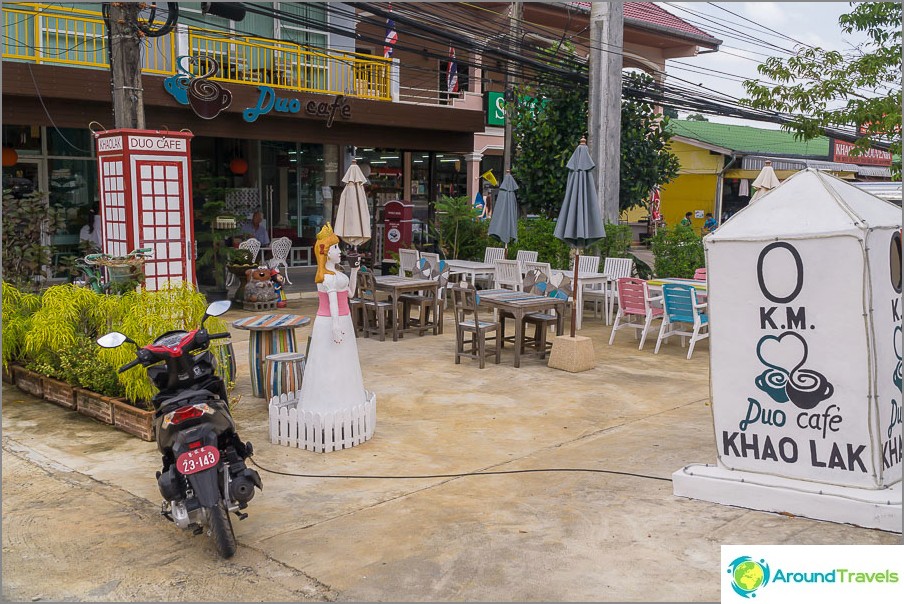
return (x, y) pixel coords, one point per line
(432, 258)
(253, 246)
(526, 256)
(544, 267)
(493, 253)
(615, 268)
(281, 248)
(508, 275)
(407, 261)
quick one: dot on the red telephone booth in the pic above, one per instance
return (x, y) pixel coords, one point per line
(396, 227)
(144, 177)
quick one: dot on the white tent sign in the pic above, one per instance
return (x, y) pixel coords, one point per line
(805, 344)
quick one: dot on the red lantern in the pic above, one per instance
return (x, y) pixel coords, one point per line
(10, 157)
(237, 166)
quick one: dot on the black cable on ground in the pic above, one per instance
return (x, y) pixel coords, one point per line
(487, 473)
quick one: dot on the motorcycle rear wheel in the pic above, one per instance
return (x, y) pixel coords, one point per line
(220, 530)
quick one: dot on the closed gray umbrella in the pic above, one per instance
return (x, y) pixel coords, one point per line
(504, 223)
(580, 222)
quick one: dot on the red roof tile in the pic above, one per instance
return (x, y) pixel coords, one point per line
(657, 17)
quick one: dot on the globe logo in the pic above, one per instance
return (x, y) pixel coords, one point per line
(748, 575)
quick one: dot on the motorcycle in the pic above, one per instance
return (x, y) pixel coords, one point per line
(204, 476)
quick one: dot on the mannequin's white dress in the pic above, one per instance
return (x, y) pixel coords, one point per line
(332, 375)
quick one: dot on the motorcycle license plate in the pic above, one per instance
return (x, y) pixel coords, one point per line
(198, 460)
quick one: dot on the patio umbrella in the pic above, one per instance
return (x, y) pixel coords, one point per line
(580, 223)
(765, 181)
(353, 216)
(504, 223)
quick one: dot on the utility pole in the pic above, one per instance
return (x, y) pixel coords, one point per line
(606, 46)
(514, 35)
(125, 64)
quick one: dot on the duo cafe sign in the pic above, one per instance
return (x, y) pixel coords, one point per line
(208, 98)
(805, 290)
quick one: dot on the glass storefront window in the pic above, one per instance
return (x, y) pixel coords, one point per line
(73, 190)
(69, 142)
(310, 207)
(26, 140)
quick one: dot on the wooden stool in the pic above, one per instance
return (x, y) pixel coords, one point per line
(284, 373)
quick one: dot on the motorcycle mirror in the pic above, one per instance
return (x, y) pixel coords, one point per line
(216, 309)
(112, 340)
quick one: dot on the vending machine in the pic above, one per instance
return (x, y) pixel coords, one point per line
(144, 178)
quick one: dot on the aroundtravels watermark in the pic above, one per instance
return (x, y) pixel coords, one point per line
(793, 573)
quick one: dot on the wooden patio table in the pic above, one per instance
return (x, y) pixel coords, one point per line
(395, 286)
(520, 304)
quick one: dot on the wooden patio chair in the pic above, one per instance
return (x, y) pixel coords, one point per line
(380, 310)
(467, 321)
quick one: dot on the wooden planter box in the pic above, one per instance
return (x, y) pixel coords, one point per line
(95, 405)
(58, 392)
(135, 421)
(29, 381)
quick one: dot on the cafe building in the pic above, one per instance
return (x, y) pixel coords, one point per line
(277, 111)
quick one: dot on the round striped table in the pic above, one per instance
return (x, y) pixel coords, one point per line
(270, 334)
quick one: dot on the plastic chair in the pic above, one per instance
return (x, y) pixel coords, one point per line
(543, 267)
(634, 302)
(681, 308)
(493, 253)
(281, 248)
(253, 246)
(587, 264)
(467, 321)
(508, 275)
(615, 268)
(700, 274)
(524, 256)
(407, 261)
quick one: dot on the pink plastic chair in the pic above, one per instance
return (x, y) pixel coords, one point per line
(700, 274)
(634, 306)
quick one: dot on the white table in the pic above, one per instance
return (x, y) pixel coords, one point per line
(584, 278)
(470, 267)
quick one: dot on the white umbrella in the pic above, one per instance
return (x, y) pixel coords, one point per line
(765, 181)
(353, 216)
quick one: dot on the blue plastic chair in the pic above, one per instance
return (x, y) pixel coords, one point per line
(681, 312)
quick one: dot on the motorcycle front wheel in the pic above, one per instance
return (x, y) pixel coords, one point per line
(220, 529)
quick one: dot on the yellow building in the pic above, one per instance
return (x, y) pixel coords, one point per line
(718, 163)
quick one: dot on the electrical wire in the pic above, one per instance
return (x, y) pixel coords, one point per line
(49, 117)
(460, 475)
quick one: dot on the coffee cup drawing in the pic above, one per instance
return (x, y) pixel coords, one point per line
(786, 379)
(772, 382)
(808, 388)
(896, 378)
(208, 99)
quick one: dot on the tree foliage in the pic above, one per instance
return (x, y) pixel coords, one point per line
(549, 119)
(827, 88)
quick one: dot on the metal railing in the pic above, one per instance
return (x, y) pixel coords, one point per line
(55, 35)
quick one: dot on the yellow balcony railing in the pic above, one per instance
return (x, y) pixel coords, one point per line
(51, 34)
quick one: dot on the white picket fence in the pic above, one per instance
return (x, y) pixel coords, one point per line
(321, 432)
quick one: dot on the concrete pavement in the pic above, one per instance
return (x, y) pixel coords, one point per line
(612, 533)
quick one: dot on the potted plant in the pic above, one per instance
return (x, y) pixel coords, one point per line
(238, 262)
(28, 220)
(217, 227)
(18, 310)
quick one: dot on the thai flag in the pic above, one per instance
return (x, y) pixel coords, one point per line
(391, 36)
(452, 73)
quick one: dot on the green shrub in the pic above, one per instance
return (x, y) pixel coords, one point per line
(460, 233)
(536, 234)
(678, 252)
(81, 365)
(18, 312)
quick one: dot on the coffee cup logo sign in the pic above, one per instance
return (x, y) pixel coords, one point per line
(206, 98)
(791, 415)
